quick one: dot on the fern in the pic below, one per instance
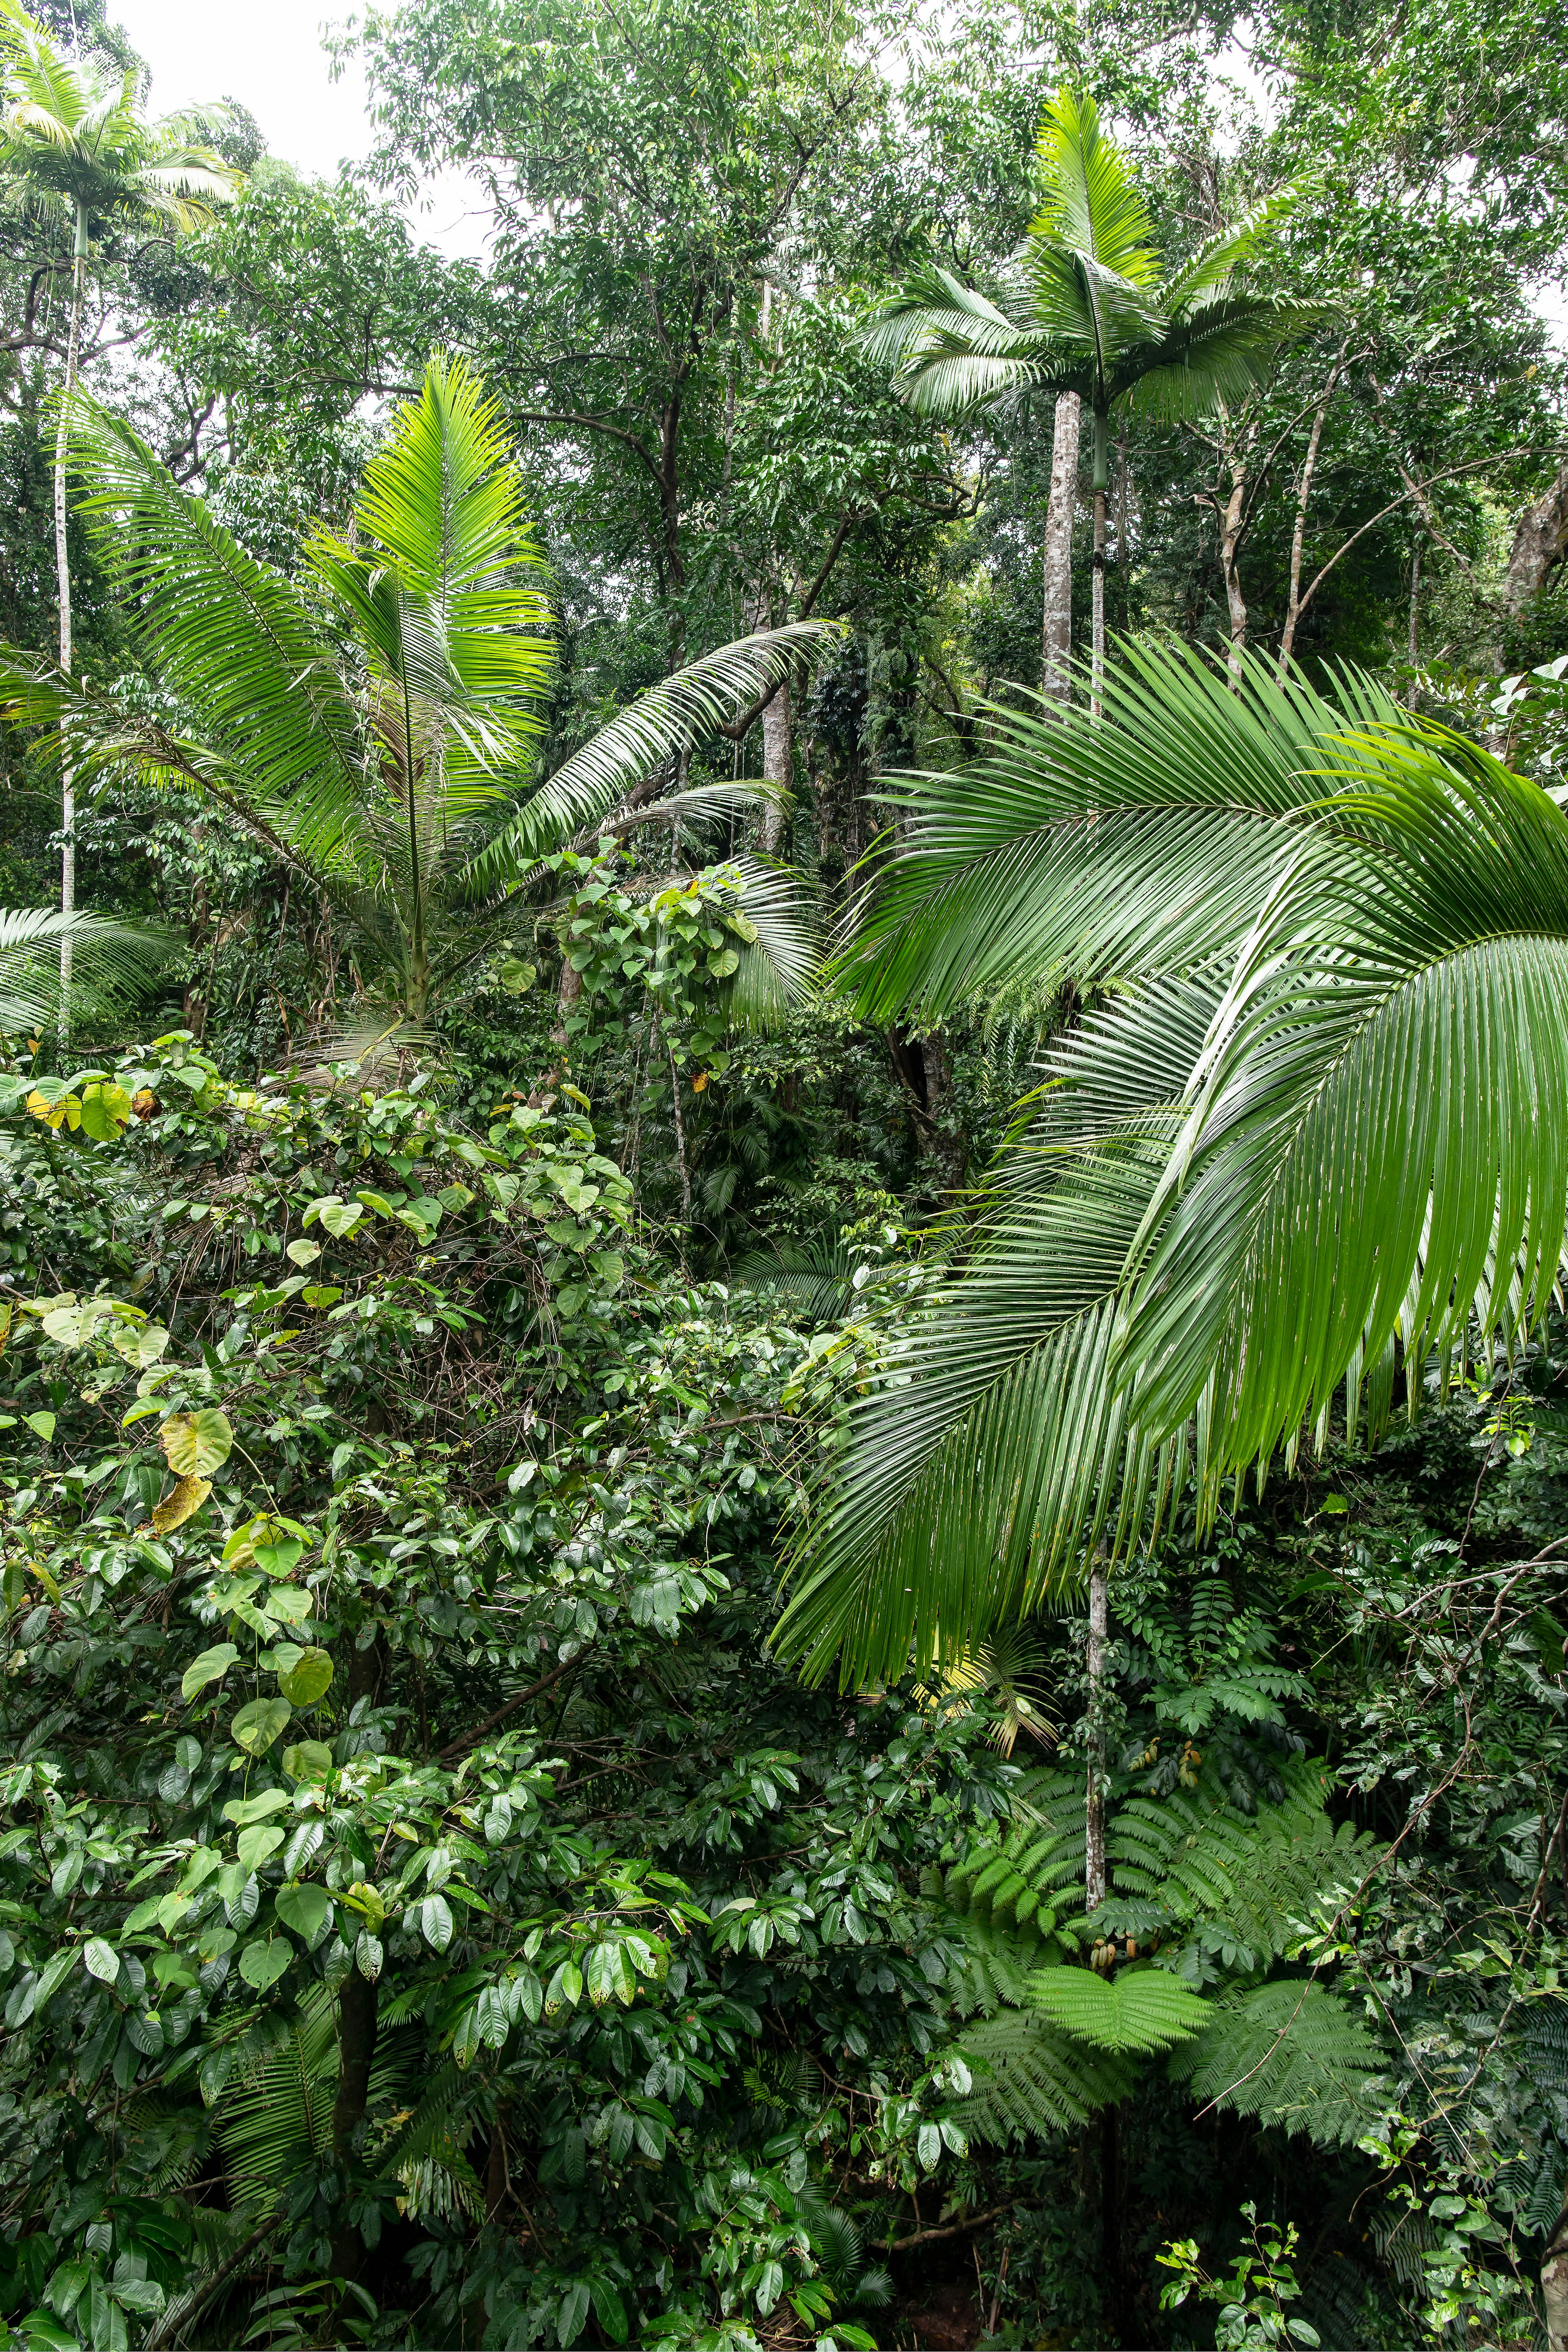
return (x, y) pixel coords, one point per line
(1141, 2010)
(1290, 2054)
(1031, 2080)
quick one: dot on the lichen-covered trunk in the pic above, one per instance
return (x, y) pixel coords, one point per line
(1099, 1622)
(778, 768)
(1056, 678)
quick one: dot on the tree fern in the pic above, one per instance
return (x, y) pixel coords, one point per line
(1292, 2054)
(1030, 2080)
(1138, 2010)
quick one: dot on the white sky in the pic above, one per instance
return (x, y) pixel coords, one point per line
(268, 54)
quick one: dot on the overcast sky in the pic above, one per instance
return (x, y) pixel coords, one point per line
(267, 54)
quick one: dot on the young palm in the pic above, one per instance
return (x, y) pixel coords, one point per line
(1082, 311)
(78, 156)
(1320, 1135)
(375, 724)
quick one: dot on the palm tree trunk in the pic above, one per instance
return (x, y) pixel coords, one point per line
(1056, 678)
(1232, 520)
(63, 582)
(1098, 1621)
(1101, 484)
(778, 766)
(1413, 649)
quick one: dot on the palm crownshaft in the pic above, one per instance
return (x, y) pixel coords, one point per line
(1082, 311)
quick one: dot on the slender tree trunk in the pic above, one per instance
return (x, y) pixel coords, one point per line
(63, 582)
(1110, 2222)
(1101, 484)
(1540, 544)
(1099, 1622)
(778, 767)
(1413, 650)
(1231, 523)
(1055, 678)
(356, 2048)
(1304, 492)
(1555, 2286)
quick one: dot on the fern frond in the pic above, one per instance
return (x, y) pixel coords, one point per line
(1292, 2053)
(1138, 2010)
(1030, 2080)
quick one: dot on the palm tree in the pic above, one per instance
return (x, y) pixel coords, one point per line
(374, 725)
(115, 961)
(77, 153)
(1316, 1139)
(1082, 311)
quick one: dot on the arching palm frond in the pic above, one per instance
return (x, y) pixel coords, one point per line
(1134, 845)
(114, 964)
(996, 1449)
(1091, 203)
(645, 738)
(1359, 1130)
(1377, 1144)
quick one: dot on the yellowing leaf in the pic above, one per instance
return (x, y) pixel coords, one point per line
(304, 1253)
(105, 1111)
(183, 1500)
(196, 1444)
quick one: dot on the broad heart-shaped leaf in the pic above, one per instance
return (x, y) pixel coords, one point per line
(341, 1218)
(105, 1111)
(263, 1962)
(1137, 2010)
(196, 1444)
(208, 1668)
(254, 1844)
(308, 1680)
(309, 1759)
(243, 1811)
(182, 1502)
(256, 1727)
(306, 1909)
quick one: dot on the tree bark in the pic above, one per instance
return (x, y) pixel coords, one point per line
(778, 768)
(1101, 485)
(63, 583)
(1304, 493)
(356, 2048)
(1094, 1803)
(1539, 545)
(1555, 2286)
(1232, 521)
(1413, 650)
(1055, 678)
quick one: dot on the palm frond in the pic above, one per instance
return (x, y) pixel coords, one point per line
(1209, 272)
(1213, 355)
(1136, 844)
(1090, 202)
(995, 1449)
(112, 965)
(662, 723)
(1376, 1148)
(1292, 2053)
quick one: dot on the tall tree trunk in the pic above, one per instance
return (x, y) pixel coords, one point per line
(1099, 1624)
(1413, 649)
(778, 767)
(1101, 484)
(1231, 524)
(63, 583)
(1055, 677)
(1304, 492)
(1555, 2286)
(1539, 545)
(356, 2048)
